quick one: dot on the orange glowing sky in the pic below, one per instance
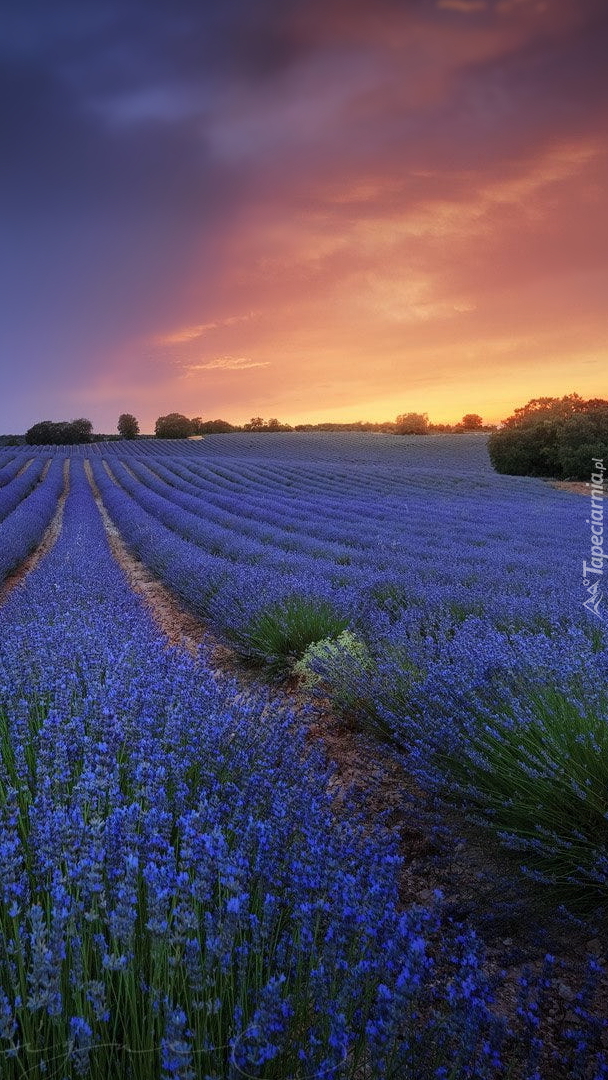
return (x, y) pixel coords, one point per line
(341, 211)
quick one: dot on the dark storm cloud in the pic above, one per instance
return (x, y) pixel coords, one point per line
(110, 201)
(112, 105)
(59, 139)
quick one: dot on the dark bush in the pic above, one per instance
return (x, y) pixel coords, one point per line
(59, 432)
(177, 426)
(173, 426)
(556, 437)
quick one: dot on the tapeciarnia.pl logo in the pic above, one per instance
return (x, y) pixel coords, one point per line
(593, 571)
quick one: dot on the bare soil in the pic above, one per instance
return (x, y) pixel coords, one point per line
(26, 465)
(178, 625)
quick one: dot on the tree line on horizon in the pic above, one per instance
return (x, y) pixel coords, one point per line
(177, 426)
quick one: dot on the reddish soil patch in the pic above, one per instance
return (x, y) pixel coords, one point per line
(49, 538)
(576, 487)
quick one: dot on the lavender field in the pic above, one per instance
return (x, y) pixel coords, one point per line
(179, 895)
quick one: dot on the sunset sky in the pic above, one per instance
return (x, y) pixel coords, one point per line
(308, 209)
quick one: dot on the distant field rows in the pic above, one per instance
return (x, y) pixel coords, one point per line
(439, 522)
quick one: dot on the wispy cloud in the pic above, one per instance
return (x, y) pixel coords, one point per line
(190, 333)
(181, 337)
(227, 363)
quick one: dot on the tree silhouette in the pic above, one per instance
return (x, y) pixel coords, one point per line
(412, 423)
(471, 421)
(127, 426)
(60, 432)
(173, 426)
(82, 430)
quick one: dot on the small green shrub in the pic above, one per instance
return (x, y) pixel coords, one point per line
(540, 785)
(359, 683)
(335, 661)
(278, 635)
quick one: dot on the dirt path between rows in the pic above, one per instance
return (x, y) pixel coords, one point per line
(25, 466)
(49, 537)
(178, 626)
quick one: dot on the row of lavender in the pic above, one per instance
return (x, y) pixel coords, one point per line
(28, 500)
(166, 910)
(18, 484)
(10, 465)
